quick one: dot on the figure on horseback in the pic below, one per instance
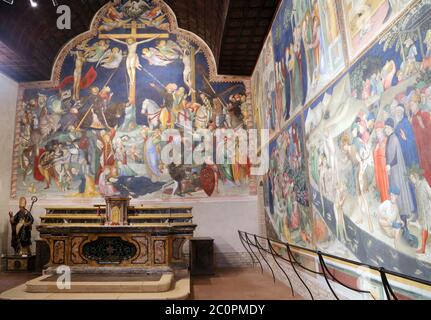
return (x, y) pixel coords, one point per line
(167, 118)
(203, 114)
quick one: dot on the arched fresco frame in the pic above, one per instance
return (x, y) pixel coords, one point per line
(174, 29)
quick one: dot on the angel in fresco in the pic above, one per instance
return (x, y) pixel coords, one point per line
(111, 59)
(109, 25)
(169, 49)
(152, 14)
(113, 13)
(96, 51)
(165, 53)
(159, 22)
(154, 57)
(155, 18)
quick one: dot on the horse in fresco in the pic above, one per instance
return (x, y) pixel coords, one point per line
(202, 117)
(157, 116)
(114, 113)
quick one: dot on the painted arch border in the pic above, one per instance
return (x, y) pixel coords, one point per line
(93, 32)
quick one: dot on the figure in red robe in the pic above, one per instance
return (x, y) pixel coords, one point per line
(380, 172)
(104, 143)
(421, 122)
(366, 91)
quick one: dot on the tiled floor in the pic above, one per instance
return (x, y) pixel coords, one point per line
(240, 284)
(12, 280)
(227, 284)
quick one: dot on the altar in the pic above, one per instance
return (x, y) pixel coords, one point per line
(117, 237)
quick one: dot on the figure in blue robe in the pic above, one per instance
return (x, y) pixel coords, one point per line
(398, 172)
(152, 158)
(404, 132)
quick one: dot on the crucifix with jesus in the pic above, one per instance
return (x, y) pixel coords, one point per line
(132, 43)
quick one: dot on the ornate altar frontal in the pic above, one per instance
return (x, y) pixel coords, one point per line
(117, 237)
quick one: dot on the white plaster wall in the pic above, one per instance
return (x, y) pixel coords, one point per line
(8, 100)
(222, 220)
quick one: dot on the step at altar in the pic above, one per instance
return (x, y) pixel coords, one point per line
(103, 283)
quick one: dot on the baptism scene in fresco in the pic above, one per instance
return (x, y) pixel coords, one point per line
(99, 131)
(369, 159)
(287, 202)
(308, 52)
(367, 18)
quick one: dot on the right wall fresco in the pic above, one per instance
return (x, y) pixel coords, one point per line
(366, 138)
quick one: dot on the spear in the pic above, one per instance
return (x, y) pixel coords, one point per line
(153, 77)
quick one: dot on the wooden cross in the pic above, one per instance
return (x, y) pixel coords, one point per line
(134, 26)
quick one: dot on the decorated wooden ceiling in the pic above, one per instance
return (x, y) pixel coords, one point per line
(234, 29)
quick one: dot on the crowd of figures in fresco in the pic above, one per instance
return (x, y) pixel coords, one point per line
(100, 131)
(307, 52)
(286, 191)
(367, 158)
